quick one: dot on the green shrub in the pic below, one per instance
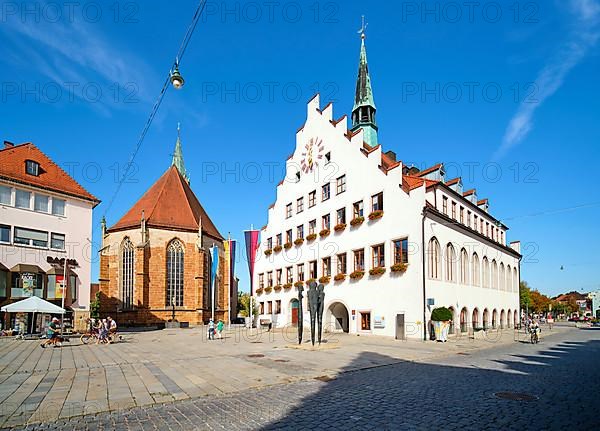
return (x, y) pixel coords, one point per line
(441, 314)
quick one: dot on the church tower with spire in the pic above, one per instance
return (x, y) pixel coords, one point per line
(363, 112)
(178, 156)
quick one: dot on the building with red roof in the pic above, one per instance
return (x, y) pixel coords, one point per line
(155, 259)
(45, 218)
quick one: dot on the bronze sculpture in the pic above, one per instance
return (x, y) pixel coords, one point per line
(300, 314)
(321, 302)
(313, 306)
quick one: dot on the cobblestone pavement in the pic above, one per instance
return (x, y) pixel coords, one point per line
(148, 368)
(456, 390)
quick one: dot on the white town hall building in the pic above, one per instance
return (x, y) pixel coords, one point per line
(389, 242)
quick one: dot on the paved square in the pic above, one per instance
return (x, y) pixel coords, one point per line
(179, 380)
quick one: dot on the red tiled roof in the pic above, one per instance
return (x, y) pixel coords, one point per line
(429, 170)
(469, 192)
(169, 204)
(415, 182)
(453, 181)
(482, 201)
(51, 177)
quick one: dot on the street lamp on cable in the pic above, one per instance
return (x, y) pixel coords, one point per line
(176, 78)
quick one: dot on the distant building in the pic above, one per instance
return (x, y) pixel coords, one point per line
(156, 257)
(390, 242)
(45, 217)
(595, 297)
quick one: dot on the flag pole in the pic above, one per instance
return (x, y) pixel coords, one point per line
(214, 282)
(230, 281)
(64, 285)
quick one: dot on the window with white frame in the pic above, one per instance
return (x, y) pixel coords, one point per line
(341, 263)
(40, 203)
(299, 205)
(300, 232)
(278, 277)
(278, 240)
(312, 269)
(23, 199)
(378, 256)
(5, 195)
(312, 199)
(270, 279)
(485, 272)
(445, 205)
(288, 211)
(377, 202)
(325, 192)
(358, 210)
(359, 259)
(450, 263)
(464, 267)
(400, 251)
(288, 236)
(4, 233)
(341, 184)
(261, 281)
(58, 206)
(312, 227)
(30, 237)
(57, 241)
(341, 216)
(300, 271)
(475, 270)
(326, 221)
(269, 243)
(326, 267)
(289, 274)
(32, 167)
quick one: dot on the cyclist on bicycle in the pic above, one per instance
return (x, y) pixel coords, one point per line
(535, 330)
(112, 327)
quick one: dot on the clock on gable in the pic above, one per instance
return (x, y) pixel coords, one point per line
(313, 153)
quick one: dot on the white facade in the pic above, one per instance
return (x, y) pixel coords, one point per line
(53, 225)
(370, 305)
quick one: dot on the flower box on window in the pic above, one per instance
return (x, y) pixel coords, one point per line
(287, 286)
(310, 280)
(356, 275)
(399, 267)
(311, 237)
(268, 289)
(324, 233)
(259, 290)
(277, 288)
(299, 241)
(377, 271)
(357, 221)
(340, 277)
(277, 248)
(325, 279)
(339, 227)
(299, 283)
(287, 245)
(375, 215)
(268, 252)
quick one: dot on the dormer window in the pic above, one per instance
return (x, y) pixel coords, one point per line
(32, 168)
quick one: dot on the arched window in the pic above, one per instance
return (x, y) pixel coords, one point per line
(515, 280)
(475, 319)
(509, 286)
(175, 274)
(486, 272)
(463, 319)
(502, 277)
(435, 263)
(475, 270)
(486, 318)
(450, 263)
(494, 274)
(464, 267)
(495, 318)
(127, 263)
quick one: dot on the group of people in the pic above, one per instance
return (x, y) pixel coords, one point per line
(218, 329)
(104, 329)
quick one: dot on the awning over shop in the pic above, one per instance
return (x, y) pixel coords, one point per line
(60, 271)
(33, 305)
(22, 267)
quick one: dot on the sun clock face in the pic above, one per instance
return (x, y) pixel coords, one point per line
(313, 153)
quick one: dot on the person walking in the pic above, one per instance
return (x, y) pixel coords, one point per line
(52, 333)
(211, 329)
(220, 326)
(103, 332)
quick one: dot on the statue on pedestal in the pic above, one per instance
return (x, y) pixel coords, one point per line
(300, 314)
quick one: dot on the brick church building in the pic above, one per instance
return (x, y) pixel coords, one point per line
(156, 258)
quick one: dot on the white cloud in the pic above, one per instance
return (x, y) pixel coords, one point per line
(585, 34)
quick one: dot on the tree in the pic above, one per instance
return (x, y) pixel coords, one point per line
(95, 307)
(524, 294)
(244, 305)
(539, 301)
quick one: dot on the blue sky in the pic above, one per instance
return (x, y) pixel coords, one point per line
(507, 94)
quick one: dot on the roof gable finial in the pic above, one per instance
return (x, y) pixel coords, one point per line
(363, 29)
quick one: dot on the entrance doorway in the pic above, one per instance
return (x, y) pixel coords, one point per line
(294, 308)
(337, 318)
(365, 321)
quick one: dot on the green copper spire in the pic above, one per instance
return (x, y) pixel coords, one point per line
(178, 156)
(363, 112)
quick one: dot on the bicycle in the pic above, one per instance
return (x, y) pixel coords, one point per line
(535, 338)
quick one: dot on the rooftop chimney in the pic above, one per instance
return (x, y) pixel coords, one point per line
(391, 155)
(8, 144)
